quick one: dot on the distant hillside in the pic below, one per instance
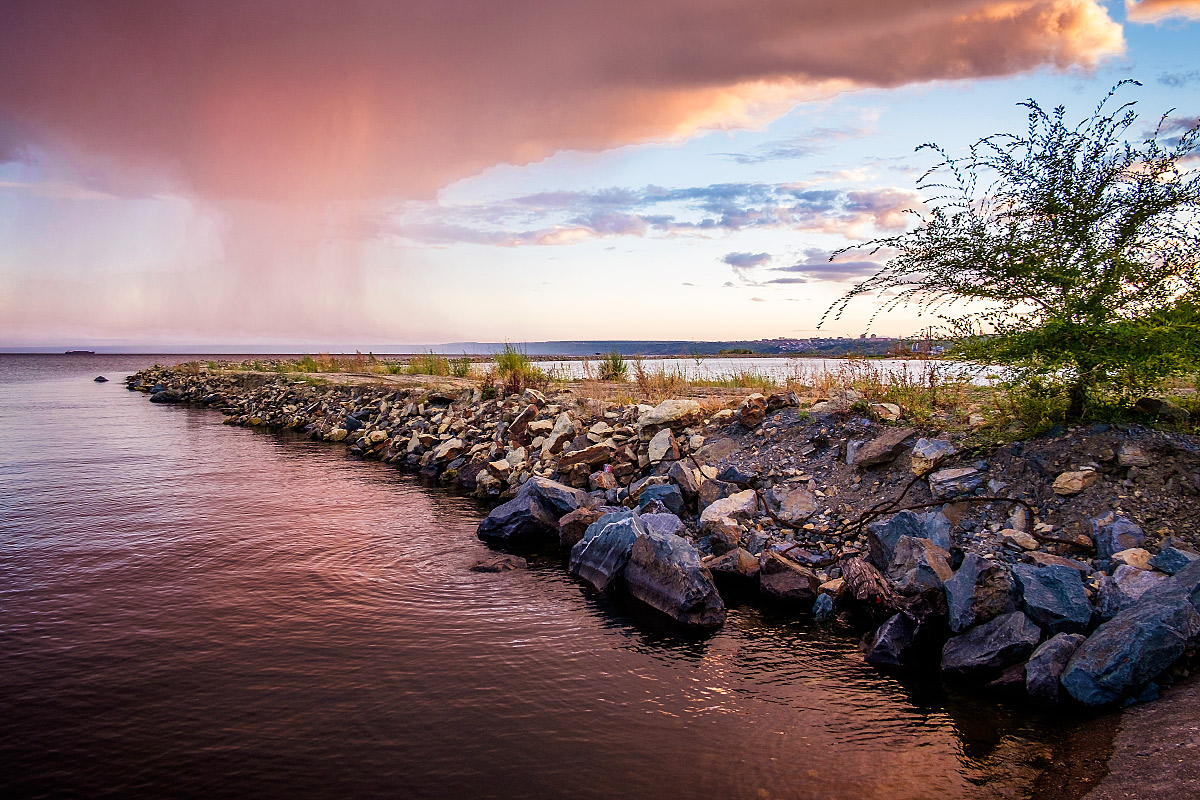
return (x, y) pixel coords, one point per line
(814, 346)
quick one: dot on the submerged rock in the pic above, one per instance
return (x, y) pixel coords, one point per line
(1046, 666)
(502, 562)
(986, 650)
(664, 572)
(532, 515)
(891, 646)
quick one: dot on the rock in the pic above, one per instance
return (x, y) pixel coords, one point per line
(792, 505)
(918, 565)
(986, 650)
(833, 587)
(1136, 557)
(352, 423)
(599, 432)
(591, 456)
(1172, 559)
(883, 448)
(602, 481)
(668, 494)
(954, 482)
(752, 411)
(572, 526)
(891, 646)
(664, 523)
(1048, 559)
(1112, 534)
(1133, 582)
(1162, 409)
(1054, 597)
(100, 379)
(534, 397)
(715, 450)
(1130, 455)
(665, 573)
(531, 515)
(448, 450)
(166, 396)
(713, 490)
(888, 412)
(1018, 539)
(928, 453)
(739, 506)
(1131, 648)
(663, 447)
(502, 562)
(783, 580)
(1072, 483)
(822, 610)
(562, 432)
(882, 536)
(736, 475)
(601, 555)
(669, 414)
(1046, 665)
(736, 568)
(337, 434)
(516, 429)
(979, 591)
(685, 478)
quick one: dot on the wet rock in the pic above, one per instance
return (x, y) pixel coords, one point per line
(793, 504)
(954, 482)
(1131, 649)
(663, 447)
(531, 515)
(752, 411)
(986, 650)
(1172, 559)
(572, 526)
(891, 646)
(883, 448)
(823, 608)
(928, 453)
(918, 565)
(100, 379)
(1054, 597)
(1072, 483)
(667, 493)
(1112, 534)
(783, 580)
(882, 535)
(1045, 667)
(502, 562)
(166, 396)
(665, 573)
(601, 555)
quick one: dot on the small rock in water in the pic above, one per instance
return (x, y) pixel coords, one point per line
(100, 379)
(499, 563)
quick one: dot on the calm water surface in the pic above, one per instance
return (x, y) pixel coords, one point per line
(193, 610)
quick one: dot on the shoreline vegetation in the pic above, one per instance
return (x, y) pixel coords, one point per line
(959, 528)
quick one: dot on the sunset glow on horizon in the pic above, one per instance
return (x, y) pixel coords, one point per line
(336, 175)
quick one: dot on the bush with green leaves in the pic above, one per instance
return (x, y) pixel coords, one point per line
(1075, 248)
(613, 368)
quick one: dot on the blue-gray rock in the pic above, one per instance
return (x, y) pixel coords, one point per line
(532, 515)
(954, 482)
(892, 644)
(1054, 597)
(823, 608)
(100, 379)
(883, 535)
(986, 650)
(601, 555)
(1172, 559)
(665, 573)
(663, 523)
(156, 388)
(165, 396)
(918, 565)
(1046, 665)
(1131, 648)
(981, 590)
(352, 423)
(736, 475)
(667, 493)
(1113, 534)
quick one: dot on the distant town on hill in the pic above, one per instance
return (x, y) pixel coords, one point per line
(817, 346)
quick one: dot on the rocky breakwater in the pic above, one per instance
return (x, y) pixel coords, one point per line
(1060, 569)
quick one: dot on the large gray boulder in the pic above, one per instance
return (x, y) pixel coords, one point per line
(918, 565)
(986, 650)
(532, 515)
(981, 590)
(1046, 665)
(1138, 643)
(1054, 597)
(601, 555)
(665, 573)
(883, 535)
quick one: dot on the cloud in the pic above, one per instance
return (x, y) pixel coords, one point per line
(1158, 10)
(565, 217)
(814, 265)
(746, 260)
(1177, 80)
(758, 300)
(818, 140)
(306, 100)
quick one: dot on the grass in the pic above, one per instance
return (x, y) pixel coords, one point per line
(513, 373)
(612, 367)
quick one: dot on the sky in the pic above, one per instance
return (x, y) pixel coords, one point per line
(380, 173)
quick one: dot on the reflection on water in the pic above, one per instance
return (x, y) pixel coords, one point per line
(189, 609)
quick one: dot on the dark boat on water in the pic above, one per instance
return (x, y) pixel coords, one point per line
(80, 353)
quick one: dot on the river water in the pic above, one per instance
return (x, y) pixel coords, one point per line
(194, 610)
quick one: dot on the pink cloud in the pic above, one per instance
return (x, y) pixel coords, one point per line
(311, 100)
(1157, 10)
